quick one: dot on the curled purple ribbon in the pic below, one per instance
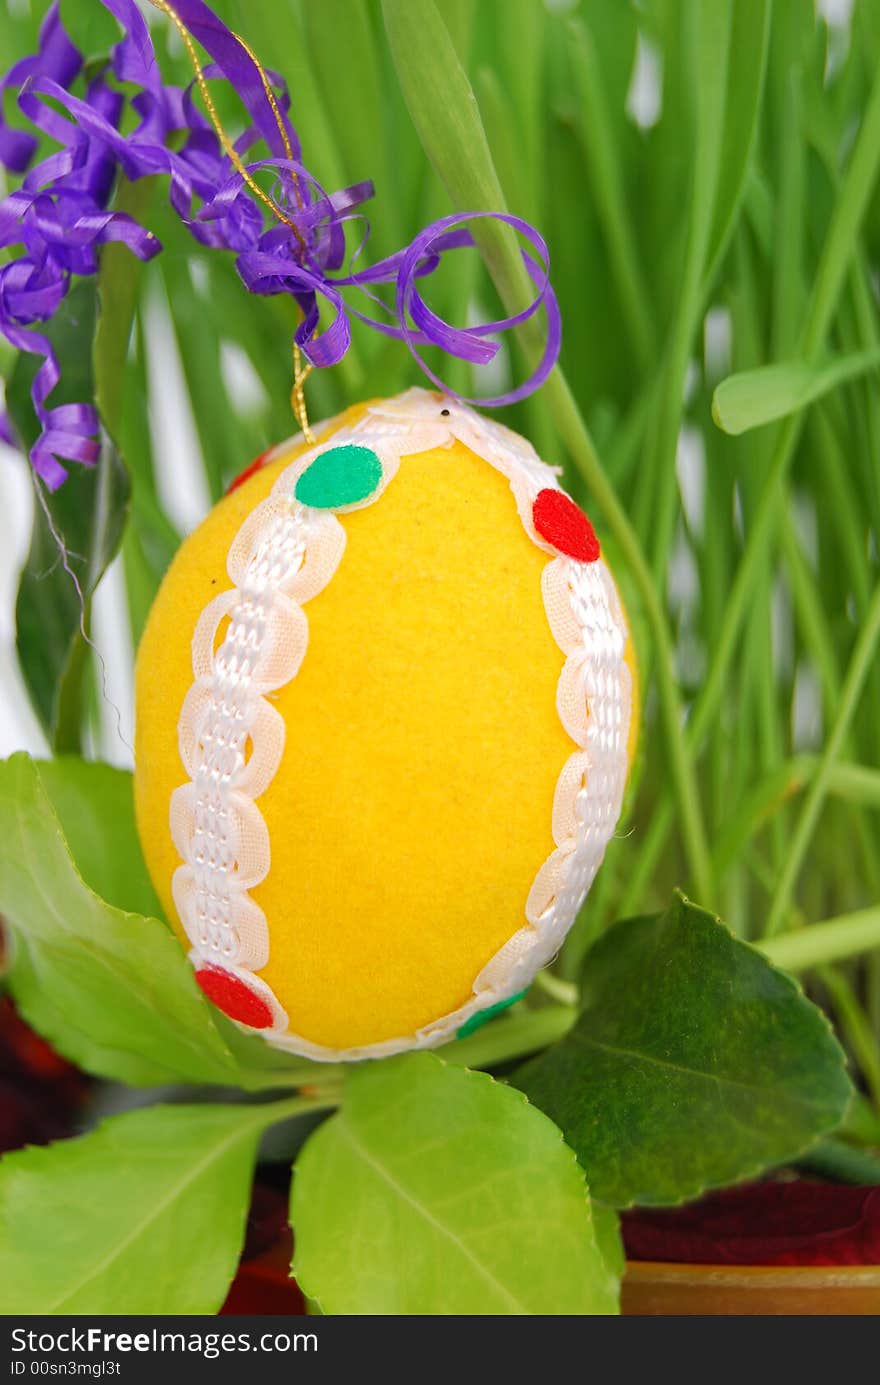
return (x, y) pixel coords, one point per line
(59, 217)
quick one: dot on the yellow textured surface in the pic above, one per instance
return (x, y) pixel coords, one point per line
(412, 807)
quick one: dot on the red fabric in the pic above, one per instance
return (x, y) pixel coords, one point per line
(40, 1092)
(256, 465)
(263, 1284)
(564, 526)
(230, 994)
(796, 1223)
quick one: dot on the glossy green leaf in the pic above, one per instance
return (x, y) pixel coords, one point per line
(145, 1214)
(754, 398)
(88, 515)
(693, 1064)
(94, 804)
(112, 990)
(436, 1190)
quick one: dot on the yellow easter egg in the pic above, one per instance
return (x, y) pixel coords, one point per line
(385, 713)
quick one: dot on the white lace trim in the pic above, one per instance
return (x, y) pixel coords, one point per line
(231, 738)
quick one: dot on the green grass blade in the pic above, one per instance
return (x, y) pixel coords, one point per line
(754, 398)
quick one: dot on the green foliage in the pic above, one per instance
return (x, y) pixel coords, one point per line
(693, 1063)
(746, 62)
(111, 989)
(76, 533)
(90, 27)
(94, 805)
(143, 1215)
(436, 1190)
(756, 397)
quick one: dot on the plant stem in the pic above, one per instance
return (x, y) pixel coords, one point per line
(319, 1086)
(829, 941)
(861, 1125)
(289, 1106)
(565, 992)
(839, 1161)
(853, 1025)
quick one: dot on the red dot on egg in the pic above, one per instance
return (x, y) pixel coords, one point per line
(230, 994)
(562, 524)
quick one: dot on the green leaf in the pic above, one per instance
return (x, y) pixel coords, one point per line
(88, 515)
(143, 1215)
(94, 804)
(754, 398)
(436, 1190)
(694, 1063)
(112, 990)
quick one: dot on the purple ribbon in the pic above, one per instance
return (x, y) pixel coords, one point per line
(59, 216)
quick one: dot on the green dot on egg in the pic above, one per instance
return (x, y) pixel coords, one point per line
(479, 1018)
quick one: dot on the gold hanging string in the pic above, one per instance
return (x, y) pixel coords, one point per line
(282, 128)
(300, 372)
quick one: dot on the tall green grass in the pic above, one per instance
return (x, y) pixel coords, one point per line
(737, 229)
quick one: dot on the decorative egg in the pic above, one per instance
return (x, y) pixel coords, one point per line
(385, 714)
